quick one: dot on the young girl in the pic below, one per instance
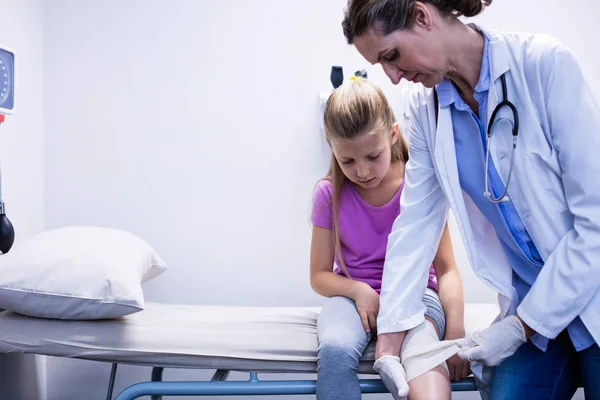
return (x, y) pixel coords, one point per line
(354, 208)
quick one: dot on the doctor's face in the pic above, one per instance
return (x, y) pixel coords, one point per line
(409, 54)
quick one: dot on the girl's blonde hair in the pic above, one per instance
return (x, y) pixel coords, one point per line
(356, 108)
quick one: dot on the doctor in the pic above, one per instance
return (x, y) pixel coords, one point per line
(529, 214)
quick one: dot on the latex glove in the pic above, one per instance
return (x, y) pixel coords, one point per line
(494, 344)
(393, 376)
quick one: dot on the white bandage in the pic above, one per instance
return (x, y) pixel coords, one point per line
(423, 351)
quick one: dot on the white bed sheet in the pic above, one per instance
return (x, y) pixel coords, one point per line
(261, 339)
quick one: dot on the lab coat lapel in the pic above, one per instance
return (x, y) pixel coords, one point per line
(499, 65)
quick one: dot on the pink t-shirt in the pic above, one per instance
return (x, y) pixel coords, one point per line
(363, 230)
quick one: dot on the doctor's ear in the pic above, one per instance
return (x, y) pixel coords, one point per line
(424, 14)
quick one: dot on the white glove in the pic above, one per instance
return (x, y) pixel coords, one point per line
(494, 344)
(393, 376)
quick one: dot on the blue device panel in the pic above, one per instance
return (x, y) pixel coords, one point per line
(7, 81)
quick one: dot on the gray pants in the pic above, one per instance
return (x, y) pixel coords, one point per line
(342, 340)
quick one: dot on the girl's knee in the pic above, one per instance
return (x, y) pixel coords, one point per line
(341, 336)
(423, 334)
(337, 363)
(337, 304)
(339, 301)
(335, 348)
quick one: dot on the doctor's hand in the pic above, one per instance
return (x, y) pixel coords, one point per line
(367, 305)
(494, 344)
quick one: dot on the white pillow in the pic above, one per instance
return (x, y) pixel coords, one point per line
(77, 273)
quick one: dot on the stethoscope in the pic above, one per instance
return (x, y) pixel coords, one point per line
(515, 131)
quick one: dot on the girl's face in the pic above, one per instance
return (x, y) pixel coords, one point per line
(365, 160)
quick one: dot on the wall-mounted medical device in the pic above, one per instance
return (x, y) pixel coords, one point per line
(7, 80)
(337, 79)
(7, 107)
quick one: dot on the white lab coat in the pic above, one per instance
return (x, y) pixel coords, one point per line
(554, 188)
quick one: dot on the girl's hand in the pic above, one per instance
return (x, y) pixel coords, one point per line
(367, 305)
(459, 369)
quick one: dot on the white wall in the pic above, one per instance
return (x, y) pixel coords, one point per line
(573, 23)
(194, 125)
(22, 163)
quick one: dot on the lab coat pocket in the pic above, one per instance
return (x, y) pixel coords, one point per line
(547, 171)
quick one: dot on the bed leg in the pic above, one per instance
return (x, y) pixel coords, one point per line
(111, 382)
(157, 373)
(220, 375)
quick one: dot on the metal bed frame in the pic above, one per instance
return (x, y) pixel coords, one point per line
(219, 386)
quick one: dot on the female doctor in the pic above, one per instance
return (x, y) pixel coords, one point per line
(505, 131)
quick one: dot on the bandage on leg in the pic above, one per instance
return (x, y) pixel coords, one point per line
(423, 351)
(393, 376)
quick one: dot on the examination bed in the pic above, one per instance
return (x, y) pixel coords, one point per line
(247, 339)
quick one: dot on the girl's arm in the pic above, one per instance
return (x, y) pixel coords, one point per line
(452, 298)
(327, 283)
(450, 287)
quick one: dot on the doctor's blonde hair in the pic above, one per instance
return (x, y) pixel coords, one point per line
(356, 108)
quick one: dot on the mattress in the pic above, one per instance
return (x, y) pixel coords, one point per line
(259, 339)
